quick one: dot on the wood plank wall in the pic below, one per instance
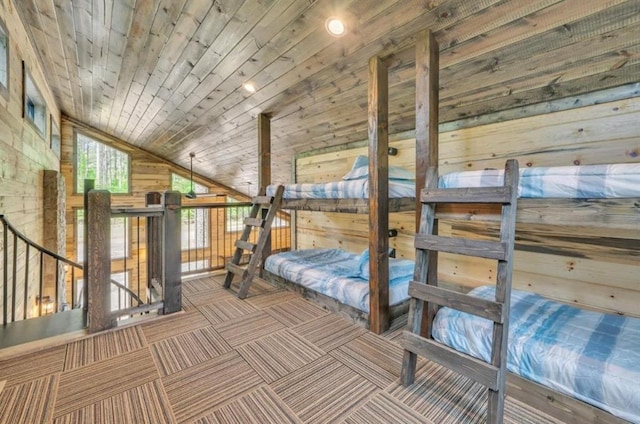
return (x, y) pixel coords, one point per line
(148, 173)
(565, 263)
(24, 153)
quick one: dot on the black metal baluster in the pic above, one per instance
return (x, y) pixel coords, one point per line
(26, 282)
(55, 301)
(41, 283)
(5, 272)
(14, 271)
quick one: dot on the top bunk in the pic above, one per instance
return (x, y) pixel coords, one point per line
(605, 196)
(350, 194)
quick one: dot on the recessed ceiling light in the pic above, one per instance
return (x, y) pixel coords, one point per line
(335, 27)
(249, 87)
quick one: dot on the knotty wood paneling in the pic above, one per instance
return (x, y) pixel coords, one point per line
(24, 153)
(592, 266)
(167, 75)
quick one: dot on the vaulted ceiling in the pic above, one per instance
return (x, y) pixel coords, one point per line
(167, 75)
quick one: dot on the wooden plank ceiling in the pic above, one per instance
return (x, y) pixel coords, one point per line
(167, 75)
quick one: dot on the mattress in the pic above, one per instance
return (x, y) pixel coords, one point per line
(575, 182)
(591, 356)
(345, 189)
(338, 274)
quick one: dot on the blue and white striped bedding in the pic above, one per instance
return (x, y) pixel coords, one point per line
(338, 274)
(345, 189)
(591, 356)
(575, 182)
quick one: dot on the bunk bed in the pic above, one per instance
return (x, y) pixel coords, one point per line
(337, 279)
(371, 191)
(572, 363)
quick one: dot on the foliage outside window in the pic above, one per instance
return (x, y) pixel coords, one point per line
(120, 239)
(109, 167)
(4, 59)
(195, 222)
(35, 110)
(236, 215)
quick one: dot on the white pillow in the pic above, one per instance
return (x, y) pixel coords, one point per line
(360, 171)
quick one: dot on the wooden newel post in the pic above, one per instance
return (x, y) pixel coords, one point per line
(154, 241)
(172, 249)
(98, 259)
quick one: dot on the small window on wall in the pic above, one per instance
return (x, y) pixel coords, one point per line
(4, 60)
(55, 138)
(108, 167)
(35, 110)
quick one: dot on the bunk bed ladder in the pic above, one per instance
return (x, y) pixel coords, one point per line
(260, 203)
(428, 297)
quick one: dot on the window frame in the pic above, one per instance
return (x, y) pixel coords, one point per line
(55, 131)
(27, 78)
(4, 89)
(77, 132)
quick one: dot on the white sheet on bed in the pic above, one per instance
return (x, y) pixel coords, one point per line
(575, 182)
(337, 274)
(591, 356)
(345, 189)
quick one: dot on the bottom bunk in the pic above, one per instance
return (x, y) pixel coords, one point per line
(338, 280)
(590, 356)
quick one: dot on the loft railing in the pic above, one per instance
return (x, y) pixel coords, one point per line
(151, 261)
(34, 279)
(210, 230)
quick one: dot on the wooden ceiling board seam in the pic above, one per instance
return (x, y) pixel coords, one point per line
(563, 13)
(227, 79)
(372, 47)
(194, 17)
(568, 33)
(134, 22)
(161, 30)
(207, 72)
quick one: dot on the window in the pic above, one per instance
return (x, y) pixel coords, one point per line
(108, 167)
(4, 60)
(55, 138)
(195, 222)
(236, 215)
(120, 239)
(35, 110)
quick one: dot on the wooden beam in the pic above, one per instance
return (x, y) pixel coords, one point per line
(172, 255)
(264, 172)
(264, 151)
(98, 259)
(378, 196)
(427, 106)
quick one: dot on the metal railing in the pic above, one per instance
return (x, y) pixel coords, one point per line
(209, 232)
(34, 279)
(149, 270)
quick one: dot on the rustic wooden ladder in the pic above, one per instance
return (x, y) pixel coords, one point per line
(255, 250)
(426, 294)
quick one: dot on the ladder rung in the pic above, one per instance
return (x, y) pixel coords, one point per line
(467, 195)
(245, 245)
(461, 246)
(463, 302)
(475, 369)
(254, 222)
(236, 269)
(262, 200)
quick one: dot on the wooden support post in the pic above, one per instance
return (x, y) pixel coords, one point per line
(427, 108)
(88, 186)
(172, 250)
(378, 196)
(154, 241)
(98, 259)
(264, 172)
